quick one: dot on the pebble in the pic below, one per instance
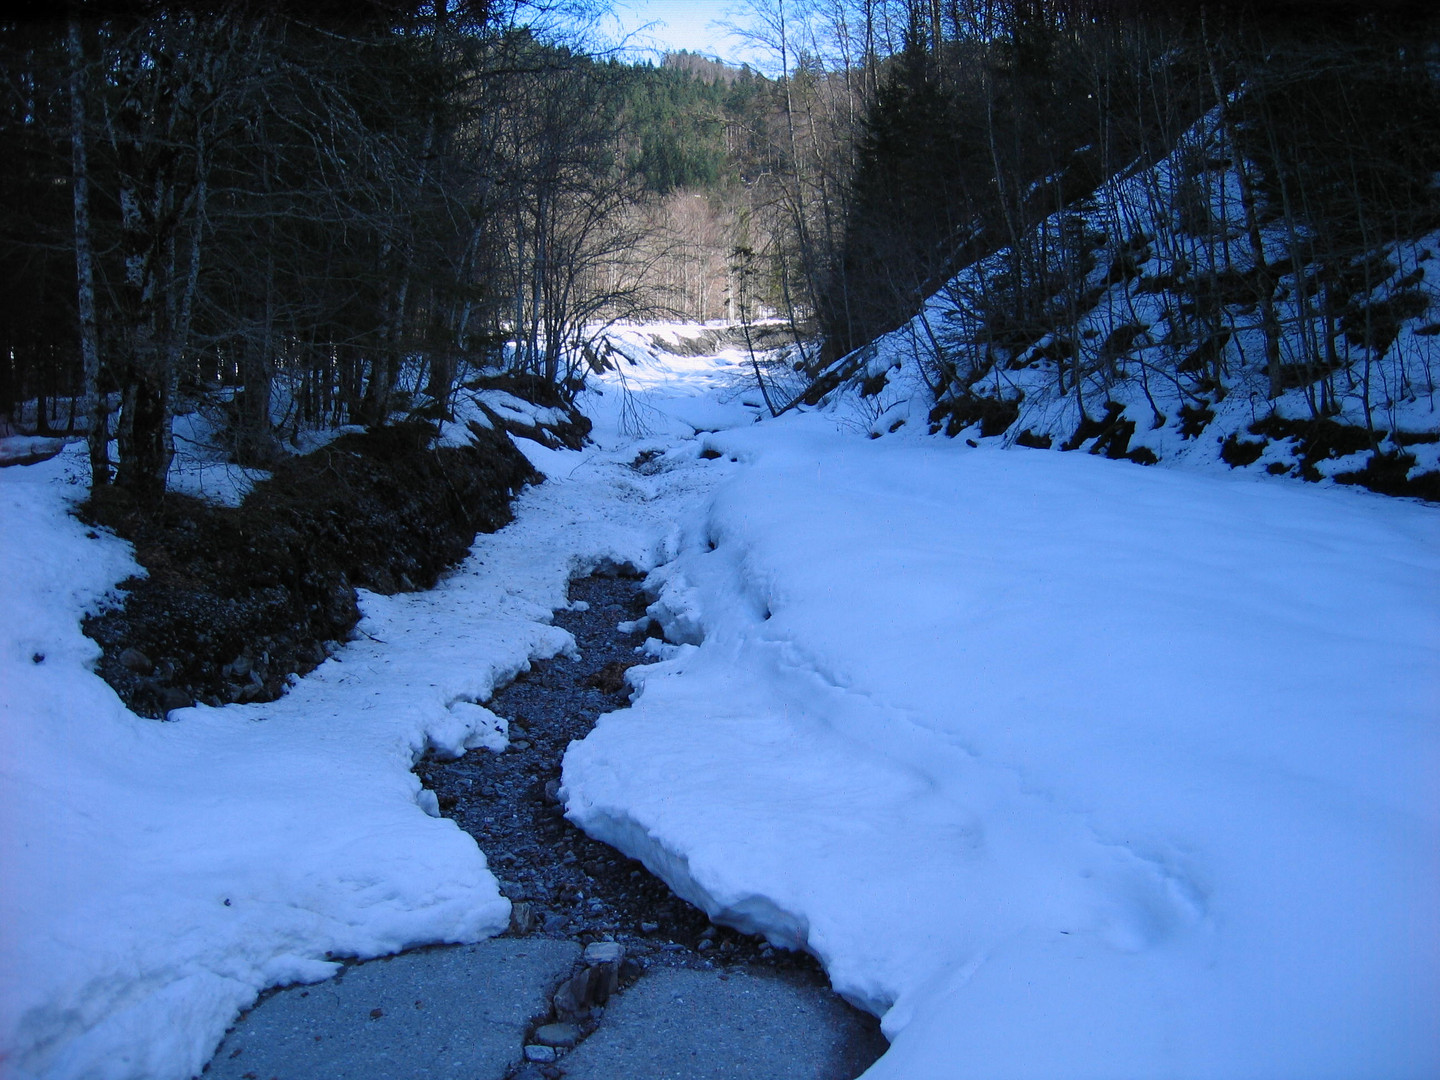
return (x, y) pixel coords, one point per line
(136, 661)
(604, 952)
(540, 1054)
(566, 1035)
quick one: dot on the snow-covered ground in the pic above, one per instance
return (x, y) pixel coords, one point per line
(154, 877)
(1065, 766)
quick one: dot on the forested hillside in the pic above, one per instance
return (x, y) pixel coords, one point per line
(1068, 224)
(295, 221)
(280, 221)
(1255, 285)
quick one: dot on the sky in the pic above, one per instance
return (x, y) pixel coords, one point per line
(680, 24)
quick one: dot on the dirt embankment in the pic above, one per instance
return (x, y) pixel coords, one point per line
(236, 600)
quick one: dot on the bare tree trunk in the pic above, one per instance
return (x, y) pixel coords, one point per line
(1264, 275)
(94, 399)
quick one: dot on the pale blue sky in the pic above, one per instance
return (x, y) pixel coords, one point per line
(681, 24)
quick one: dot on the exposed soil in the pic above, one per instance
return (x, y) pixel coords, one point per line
(236, 600)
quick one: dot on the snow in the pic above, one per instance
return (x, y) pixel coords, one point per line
(155, 877)
(1063, 766)
(1140, 214)
(201, 467)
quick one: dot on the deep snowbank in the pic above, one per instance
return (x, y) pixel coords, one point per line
(154, 877)
(1076, 768)
(159, 875)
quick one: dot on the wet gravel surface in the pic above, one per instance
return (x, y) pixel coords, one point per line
(563, 883)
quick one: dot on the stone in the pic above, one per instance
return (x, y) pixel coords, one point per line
(542, 1054)
(478, 1004)
(252, 692)
(172, 697)
(604, 952)
(573, 1000)
(566, 1035)
(678, 1022)
(136, 661)
(552, 790)
(522, 917)
(240, 667)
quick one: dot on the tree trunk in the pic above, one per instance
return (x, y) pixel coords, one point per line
(94, 399)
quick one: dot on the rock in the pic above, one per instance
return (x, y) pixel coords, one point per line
(565, 1035)
(611, 678)
(649, 927)
(694, 1024)
(136, 661)
(252, 692)
(604, 952)
(580, 992)
(240, 667)
(572, 1000)
(522, 917)
(542, 1054)
(172, 697)
(604, 959)
(552, 790)
(555, 924)
(478, 1001)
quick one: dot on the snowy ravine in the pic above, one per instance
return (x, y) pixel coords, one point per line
(1064, 766)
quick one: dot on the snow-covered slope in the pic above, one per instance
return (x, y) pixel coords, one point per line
(1148, 289)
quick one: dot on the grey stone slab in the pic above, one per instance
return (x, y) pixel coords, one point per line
(436, 1013)
(678, 1024)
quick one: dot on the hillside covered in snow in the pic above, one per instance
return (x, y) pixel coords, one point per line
(1182, 313)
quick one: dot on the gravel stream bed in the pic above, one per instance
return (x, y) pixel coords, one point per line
(564, 884)
(570, 885)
